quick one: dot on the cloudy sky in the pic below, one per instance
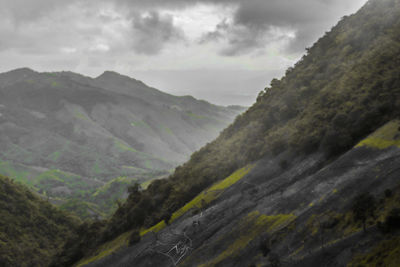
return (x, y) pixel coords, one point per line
(224, 51)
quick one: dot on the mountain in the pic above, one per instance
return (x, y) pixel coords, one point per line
(31, 229)
(67, 136)
(296, 179)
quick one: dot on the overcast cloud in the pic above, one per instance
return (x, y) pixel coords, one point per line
(132, 36)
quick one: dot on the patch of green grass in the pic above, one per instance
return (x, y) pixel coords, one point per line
(80, 115)
(49, 175)
(144, 185)
(148, 164)
(140, 124)
(167, 130)
(107, 249)
(131, 169)
(8, 169)
(106, 187)
(155, 228)
(195, 116)
(55, 155)
(123, 147)
(213, 192)
(386, 136)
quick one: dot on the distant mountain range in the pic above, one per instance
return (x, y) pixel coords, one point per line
(68, 136)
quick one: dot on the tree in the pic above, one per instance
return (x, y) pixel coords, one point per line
(264, 247)
(364, 206)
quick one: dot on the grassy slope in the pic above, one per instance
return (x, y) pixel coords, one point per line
(386, 136)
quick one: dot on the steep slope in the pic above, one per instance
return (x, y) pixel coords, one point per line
(65, 135)
(300, 213)
(300, 139)
(31, 229)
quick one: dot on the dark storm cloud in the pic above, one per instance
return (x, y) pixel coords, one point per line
(252, 27)
(152, 31)
(253, 23)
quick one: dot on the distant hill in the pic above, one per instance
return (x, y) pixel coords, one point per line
(66, 135)
(32, 231)
(295, 178)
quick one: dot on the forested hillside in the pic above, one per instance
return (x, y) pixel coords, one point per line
(344, 88)
(31, 229)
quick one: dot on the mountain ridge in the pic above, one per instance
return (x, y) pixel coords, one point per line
(96, 129)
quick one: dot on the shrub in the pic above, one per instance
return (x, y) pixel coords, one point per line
(264, 247)
(364, 206)
(388, 193)
(134, 238)
(392, 221)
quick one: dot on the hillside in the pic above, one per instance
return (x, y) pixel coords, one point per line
(31, 229)
(67, 136)
(282, 180)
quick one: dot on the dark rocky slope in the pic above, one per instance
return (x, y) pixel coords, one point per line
(302, 212)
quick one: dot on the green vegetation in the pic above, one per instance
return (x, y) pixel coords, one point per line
(386, 253)
(140, 124)
(167, 130)
(123, 147)
(31, 230)
(109, 184)
(203, 198)
(364, 206)
(388, 135)
(213, 192)
(336, 95)
(80, 115)
(195, 116)
(9, 169)
(85, 210)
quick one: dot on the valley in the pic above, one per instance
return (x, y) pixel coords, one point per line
(81, 142)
